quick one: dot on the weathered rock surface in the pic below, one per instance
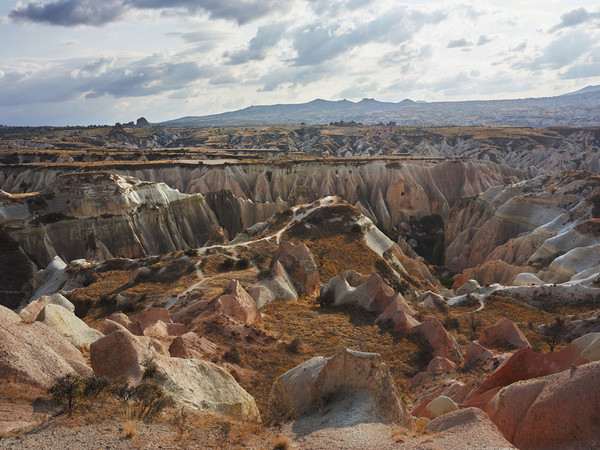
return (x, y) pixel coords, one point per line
(299, 263)
(439, 364)
(67, 324)
(549, 223)
(190, 345)
(476, 352)
(360, 380)
(525, 364)
(235, 302)
(438, 407)
(34, 353)
(432, 300)
(206, 387)
(504, 333)
(442, 343)
(473, 426)
(369, 292)
(30, 312)
(99, 215)
(553, 412)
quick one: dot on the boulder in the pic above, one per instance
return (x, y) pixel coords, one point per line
(108, 326)
(468, 287)
(158, 330)
(30, 312)
(525, 364)
(439, 364)
(9, 315)
(504, 333)
(361, 381)
(397, 317)
(472, 428)
(34, 353)
(150, 316)
(369, 292)
(442, 343)
(300, 265)
(206, 387)
(278, 287)
(122, 354)
(67, 324)
(476, 352)
(140, 274)
(431, 300)
(134, 327)
(190, 345)
(565, 413)
(438, 407)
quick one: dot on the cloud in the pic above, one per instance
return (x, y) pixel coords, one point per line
(101, 12)
(317, 43)
(519, 48)
(459, 43)
(266, 37)
(69, 12)
(574, 18)
(105, 76)
(559, 53)
(483, 40)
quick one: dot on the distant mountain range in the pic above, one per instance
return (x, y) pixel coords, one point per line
(575, 109)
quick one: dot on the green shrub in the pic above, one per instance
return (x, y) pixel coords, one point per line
(242, 263)
(68, 390)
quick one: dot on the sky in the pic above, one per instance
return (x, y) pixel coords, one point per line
(82, 62)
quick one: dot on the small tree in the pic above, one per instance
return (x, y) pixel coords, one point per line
(474, 325)
(67, 390)
(553, 333)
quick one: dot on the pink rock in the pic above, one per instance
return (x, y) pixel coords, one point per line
(565, 413)
(510, 405)
(525, 364)
(439, 364)
(472, 426)
(235, 302)
(35, 354)
(176, 329)
(300, 265)
(30, 312)
(396, 315)
(150, 316)
(504, 333)
(121, 354)
(157, 330)
(133, 326)
(108, 326)
(443, 344)
(190, 345)
(476, 352)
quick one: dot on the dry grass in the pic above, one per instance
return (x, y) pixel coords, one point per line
(129, 428)
(281, 444)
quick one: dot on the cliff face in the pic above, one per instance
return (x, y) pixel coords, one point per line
(101, 215)
(547, 225)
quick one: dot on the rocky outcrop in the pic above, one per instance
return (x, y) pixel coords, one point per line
(101, 215)
(551, 412)
(438, 407)
(472, 426)
(369, 292)
(525, 364)
(505, 333)
(35, 354)
(299, 263)
(235, 302)
(30, 312)
(547, 226)
(442, 343)
(359, 381)
(206, 387)
(190, 345)
(67, 324)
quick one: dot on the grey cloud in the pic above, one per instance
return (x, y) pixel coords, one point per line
(519, 48)
(294, 76)
(459, 43)
(266, 37)
(69, 12)
(101, 12)
(483, 40)
(74, 79)
(316, 43)
(559, 53)
(574, 18)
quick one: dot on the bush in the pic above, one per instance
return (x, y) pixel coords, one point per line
(150, 400)
(68, 390)
(232, 355)
(242, 263)
(191, 252)
(294, 345)
(451, 323)
(227, 265)
(93, 386)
